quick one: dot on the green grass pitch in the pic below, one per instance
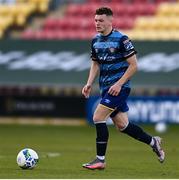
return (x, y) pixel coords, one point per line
(63, 149)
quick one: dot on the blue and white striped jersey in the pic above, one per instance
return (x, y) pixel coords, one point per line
(111, 52)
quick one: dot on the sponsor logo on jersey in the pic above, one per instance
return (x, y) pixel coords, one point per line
(128, 45)
(96, 50)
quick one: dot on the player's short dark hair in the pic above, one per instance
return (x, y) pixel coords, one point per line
(104, 10)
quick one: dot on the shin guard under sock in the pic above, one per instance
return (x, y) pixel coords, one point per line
(102, 138)
(137, 133)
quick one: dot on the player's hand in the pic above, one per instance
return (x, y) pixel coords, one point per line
(115, 89)
(86, 90)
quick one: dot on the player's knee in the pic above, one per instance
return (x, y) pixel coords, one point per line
(121, 125)
(96, 118)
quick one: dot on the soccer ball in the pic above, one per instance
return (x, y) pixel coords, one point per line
(27, 158)
(161, 127)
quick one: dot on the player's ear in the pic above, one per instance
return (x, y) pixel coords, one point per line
(110, 18)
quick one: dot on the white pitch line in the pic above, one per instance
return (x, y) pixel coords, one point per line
(50, 154)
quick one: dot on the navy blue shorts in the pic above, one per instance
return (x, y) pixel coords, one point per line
(118, 103)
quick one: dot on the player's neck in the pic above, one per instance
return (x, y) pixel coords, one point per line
(107, 32)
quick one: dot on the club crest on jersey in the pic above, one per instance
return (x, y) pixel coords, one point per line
(128, 44)
(112, 50)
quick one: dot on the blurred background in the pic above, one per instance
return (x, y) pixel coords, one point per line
(45, 59)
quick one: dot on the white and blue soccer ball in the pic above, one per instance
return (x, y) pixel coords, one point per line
(161, 127)
(27, 158)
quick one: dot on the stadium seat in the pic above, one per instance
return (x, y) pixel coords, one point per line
(144, 8)
(20, 11)
(41, 5)
(28, 34)
(133, 16)
(168, 9)
(124, 23)
(5, 22)
(72, 10)
(50, 23)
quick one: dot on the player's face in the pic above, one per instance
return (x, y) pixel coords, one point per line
(103, 23)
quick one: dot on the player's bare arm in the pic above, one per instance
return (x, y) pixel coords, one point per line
(92, 75)
(115, 89)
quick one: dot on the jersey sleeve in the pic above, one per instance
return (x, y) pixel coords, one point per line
(127, 48)
(93, 52)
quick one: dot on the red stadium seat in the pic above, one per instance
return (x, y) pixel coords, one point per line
(142, 1)
(124, 23)
(50, 23)
(72, 10)
(28, 34)
(144, 9)
(39, 34)
(121, 1)
(120, 10)
(87, 23)
(86, 10)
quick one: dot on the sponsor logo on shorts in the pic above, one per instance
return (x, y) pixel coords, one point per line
(107, 101)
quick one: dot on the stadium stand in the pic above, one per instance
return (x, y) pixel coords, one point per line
(141, 19)
(16, 13)
(164, 25)
(135, 17)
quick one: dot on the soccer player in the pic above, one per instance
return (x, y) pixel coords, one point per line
(114, 57)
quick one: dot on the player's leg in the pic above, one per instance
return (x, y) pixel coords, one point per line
(100, 115)
(121, 122)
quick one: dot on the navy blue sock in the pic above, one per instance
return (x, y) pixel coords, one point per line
(137, 133)
(102, 138)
